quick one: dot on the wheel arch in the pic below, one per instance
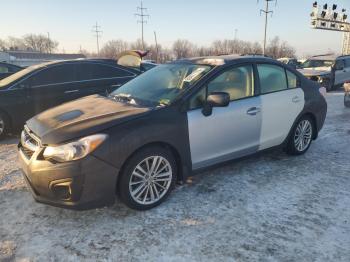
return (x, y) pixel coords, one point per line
(8, 118)
(171, 148)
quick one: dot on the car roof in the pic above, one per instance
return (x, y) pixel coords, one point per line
(224, 59)
(324, 57)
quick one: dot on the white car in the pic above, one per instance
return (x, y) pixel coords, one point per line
(329, 70)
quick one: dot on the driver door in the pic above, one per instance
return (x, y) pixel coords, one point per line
(341, 72)
(229, 132)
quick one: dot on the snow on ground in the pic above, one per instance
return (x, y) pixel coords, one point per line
(269, 207)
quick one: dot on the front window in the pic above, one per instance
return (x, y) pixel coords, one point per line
(161, 85)
(317, 63)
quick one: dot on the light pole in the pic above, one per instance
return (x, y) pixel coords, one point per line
(266, 11)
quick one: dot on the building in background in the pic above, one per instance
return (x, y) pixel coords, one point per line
(28, 58)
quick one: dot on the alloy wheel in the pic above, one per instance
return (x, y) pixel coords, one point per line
(150, 180)
(303, 135)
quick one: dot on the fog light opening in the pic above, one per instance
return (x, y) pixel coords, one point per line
(62, 191)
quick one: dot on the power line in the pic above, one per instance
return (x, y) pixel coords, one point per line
(142, 20)
(266, 11)
(97, 33)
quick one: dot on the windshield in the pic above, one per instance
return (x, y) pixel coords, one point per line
(317, 63)
(162, 84)
(19, 74)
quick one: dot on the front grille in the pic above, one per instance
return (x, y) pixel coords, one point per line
(29, 143)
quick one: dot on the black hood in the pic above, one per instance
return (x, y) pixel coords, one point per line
(80, 118)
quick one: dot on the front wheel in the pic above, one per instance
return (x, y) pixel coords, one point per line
(148, 178)
(301, 137)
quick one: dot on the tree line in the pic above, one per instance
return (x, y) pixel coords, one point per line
(181, 48)
(30, 42)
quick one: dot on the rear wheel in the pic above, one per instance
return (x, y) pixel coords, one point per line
(148, 178)
(301, 137)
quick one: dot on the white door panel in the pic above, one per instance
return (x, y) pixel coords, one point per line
(230, 132)
(279, 111)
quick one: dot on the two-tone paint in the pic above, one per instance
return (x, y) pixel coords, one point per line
(245, 127)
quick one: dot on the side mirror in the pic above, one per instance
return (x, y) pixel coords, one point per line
(215, 99)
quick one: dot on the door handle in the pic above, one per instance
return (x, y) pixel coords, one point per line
(71, 91)
(296, 99)
(253, 111)
(118, 85)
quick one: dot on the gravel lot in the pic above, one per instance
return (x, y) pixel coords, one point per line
(269, 207)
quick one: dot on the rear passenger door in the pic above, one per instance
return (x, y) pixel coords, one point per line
(51, 87)
(96, 78)
(282, 101)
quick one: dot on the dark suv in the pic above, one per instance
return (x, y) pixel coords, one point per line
(37, 88)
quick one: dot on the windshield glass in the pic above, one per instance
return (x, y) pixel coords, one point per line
(19, 74)
(317, 63)
(162, 84)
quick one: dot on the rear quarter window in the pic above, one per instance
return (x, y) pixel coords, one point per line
(292, 79)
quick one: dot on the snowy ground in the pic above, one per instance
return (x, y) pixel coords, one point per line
(269, 207)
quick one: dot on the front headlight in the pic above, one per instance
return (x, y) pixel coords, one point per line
(75, 150)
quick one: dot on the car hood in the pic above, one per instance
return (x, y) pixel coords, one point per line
(317, 71)
(80, 118)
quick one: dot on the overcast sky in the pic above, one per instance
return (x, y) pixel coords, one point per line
(200, 21)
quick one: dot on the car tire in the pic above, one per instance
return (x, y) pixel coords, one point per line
(301, 136)
(4, 125)
(329, 86)
(347, 100)
(147, 178)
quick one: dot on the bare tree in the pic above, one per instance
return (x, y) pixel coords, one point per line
(183, 48)
(40, 43)
(2, 45)
(276, 49)
(112, 48)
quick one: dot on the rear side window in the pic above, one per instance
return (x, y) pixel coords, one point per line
(98, 71)
(272, 78)
(292, 79)
(55, 75)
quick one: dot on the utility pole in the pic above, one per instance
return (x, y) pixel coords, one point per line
(97, 33)
(142, 20)
(157, 49)
(48, 43)
(266, 11)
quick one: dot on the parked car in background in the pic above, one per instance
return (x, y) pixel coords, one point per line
(8, 69)
(328, 70)
(165, 124)
(347, 94)
(293, 62)
(37, 88)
